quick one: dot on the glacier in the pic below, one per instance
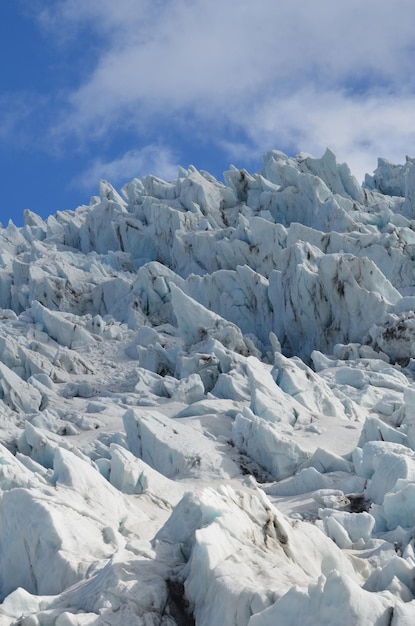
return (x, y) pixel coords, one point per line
(207, 410)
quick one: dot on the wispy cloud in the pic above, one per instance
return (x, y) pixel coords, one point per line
(17, 109)
(151, 159)
(358, 129)
(290, 75)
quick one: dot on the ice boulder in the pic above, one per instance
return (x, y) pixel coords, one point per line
(196, 323)
(48, 543)
(304, 197)
(326, 299)
(398, 507)
(241, 554)
(172, 448)
(383, 464)
(395, 336)
(269, 401)
(298, 380)
(335, 600)
(100, 229)
(201, 192)
(348, 529)
(65, 331)
(133, 476)
(267, 444)
(19, 395)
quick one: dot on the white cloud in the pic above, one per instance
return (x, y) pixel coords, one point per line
(301, 75)
(16, 111)
(151, 159)
(358, 130)
(66, 18)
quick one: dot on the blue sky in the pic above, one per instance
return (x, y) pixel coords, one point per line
(93, 89)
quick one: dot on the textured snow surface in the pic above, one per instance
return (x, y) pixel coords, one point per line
(207, 408)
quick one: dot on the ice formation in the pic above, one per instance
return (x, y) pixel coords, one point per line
(206, 403)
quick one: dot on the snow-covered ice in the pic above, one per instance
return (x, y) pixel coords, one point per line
(207, 404)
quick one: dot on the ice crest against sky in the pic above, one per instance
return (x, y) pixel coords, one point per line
(99, 89)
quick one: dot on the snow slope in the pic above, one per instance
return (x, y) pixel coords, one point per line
(207, 408)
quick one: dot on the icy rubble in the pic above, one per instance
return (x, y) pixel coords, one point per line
(206, 402)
